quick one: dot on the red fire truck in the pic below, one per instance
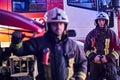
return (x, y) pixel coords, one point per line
(34, 9)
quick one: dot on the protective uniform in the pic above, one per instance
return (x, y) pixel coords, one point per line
(64, 54)
(102, 42)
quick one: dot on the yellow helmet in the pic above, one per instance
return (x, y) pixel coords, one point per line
(56, 15)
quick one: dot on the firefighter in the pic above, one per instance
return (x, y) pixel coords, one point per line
(101, 48)
(58, 57)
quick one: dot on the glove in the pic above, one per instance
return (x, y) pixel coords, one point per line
(17, 37)
(104, 59)
(97, 59)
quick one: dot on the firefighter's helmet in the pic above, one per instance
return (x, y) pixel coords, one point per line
(102, 15)
(56, 15)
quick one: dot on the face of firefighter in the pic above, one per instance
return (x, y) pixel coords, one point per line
(58, 28)
(101, 23)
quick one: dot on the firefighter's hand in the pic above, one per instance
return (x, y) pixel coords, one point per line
(104, 59)
(97, 59)
(17, 37)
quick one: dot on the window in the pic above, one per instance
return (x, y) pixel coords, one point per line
(29, 5)
(88, 4)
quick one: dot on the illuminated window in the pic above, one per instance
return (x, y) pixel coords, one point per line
(29, 5)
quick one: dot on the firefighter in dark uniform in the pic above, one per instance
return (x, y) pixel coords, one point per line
(101, 48)
(58, 57)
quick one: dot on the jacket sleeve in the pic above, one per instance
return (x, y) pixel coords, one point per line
(80, 65)
(89, 49)
(114, 45)
(23, 48)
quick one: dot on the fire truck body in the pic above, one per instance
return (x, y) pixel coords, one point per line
(82, 14)
(34, 9)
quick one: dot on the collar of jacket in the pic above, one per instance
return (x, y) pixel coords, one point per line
(102, 29)
(51, 37)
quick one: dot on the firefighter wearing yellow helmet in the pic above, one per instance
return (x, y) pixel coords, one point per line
(101, 48)
(56, 54)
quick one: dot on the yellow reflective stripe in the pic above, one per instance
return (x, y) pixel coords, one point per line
(107, 44)
(81, 75)
(70, 68)
(19, 45)
(115, 54)
(88, 53)
(106, 51)
(95, 50)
